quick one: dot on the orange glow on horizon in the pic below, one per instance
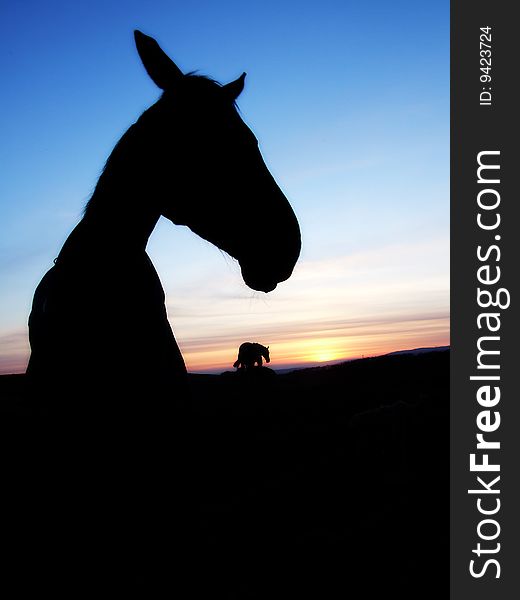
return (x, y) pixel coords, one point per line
(294, 352)
(332, 310)
(313, 351)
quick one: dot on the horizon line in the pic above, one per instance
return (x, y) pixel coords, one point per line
(314, 364)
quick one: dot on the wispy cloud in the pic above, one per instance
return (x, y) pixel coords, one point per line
(363, 303)
(14, 351)
(381, 299)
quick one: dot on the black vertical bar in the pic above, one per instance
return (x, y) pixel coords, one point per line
(484, 117)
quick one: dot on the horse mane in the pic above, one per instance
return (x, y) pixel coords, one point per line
(120, 152)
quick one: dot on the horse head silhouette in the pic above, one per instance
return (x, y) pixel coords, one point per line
(191, 158)
(228, 195)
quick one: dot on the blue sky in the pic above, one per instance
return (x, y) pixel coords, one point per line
(350, 103)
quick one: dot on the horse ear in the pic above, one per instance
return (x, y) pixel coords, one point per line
(161, 68)
(234, 89)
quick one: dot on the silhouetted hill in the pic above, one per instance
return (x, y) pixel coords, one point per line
(420, 350)
(313, 483)
(334, 465)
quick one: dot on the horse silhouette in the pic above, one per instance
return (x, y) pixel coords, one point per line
(98, 327)
(250, 354)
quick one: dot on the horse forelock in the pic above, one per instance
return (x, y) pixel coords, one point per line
(198, 87)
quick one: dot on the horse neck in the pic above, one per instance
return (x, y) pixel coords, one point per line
(125, 216)
(109, 233)
(122, 212)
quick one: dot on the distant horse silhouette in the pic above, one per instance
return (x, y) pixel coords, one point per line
(250, 354)
(98, 327)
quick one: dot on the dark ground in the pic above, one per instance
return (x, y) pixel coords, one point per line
(323, 483)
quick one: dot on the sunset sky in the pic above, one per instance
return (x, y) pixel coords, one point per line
(350, 103)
